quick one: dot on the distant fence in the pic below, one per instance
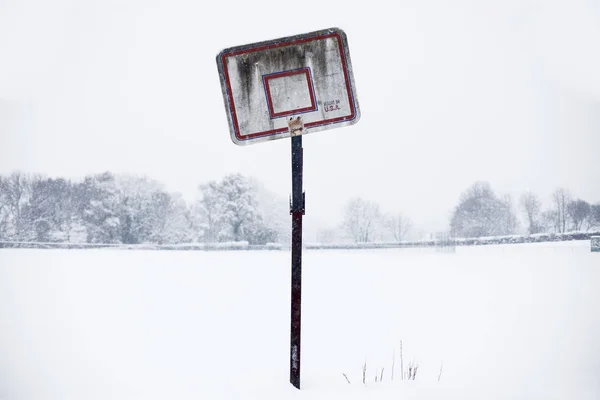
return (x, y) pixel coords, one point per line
(366, 246)
(227, 246)
(536, 238)
(447, 243)
(444, 243)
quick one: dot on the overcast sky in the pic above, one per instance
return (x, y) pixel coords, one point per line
(450, 92)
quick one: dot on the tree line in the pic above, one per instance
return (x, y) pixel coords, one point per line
(109, 208)
(480, 212)
(113, 209)
(364, 221)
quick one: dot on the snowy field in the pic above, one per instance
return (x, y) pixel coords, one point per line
(507, 322)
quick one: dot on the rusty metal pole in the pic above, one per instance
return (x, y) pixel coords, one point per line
(297, 211)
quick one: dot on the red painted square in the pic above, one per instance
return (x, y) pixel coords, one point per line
(267, 79)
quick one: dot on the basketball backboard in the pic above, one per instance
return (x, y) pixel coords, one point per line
(265, 84)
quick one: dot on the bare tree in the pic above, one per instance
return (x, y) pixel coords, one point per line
(578, 210)
(481, 213)
(17, 187)
(593, 219)
(209, 211)
(508, 216)
(532, 205)
(4, 209)
(561, 198)
(399, 225)
(360, 219)
(549, 221)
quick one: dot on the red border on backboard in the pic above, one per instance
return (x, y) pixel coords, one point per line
(335, 35)
(306, 72)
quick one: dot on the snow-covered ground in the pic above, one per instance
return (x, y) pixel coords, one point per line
(507, 322)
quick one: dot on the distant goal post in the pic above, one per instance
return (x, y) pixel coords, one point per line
(445, 242)
(595, 244)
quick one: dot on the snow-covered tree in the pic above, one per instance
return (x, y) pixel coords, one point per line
(549, 221)
(208, 212)
(531, 206)
(51, 210)
(5, 222)
(593, 220)
(399, 225)
(174, 221)
(561, 198)
(150, 214)
(132, 210)
(361, 218)
(138, 211)
(98, 204)
(240, 208)
(230, 210)
(508, 217)
(480, 213)
(578, 211)
(16, 193)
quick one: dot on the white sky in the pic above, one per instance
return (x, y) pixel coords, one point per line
(450, 92)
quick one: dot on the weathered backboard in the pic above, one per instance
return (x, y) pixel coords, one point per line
(265, 84)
